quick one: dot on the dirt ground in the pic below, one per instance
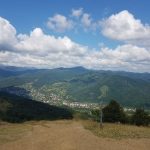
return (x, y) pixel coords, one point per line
(70, 135)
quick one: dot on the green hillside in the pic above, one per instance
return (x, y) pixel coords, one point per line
(82, 85)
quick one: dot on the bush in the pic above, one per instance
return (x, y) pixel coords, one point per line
(140, 117)
(95, 114)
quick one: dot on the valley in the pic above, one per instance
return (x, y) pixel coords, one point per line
(79, 86)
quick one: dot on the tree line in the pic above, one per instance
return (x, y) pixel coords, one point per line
(114, 112)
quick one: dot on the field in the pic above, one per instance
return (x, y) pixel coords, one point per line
(72, 135)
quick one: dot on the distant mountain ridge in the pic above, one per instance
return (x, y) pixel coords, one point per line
(80, 84)
(8, 71)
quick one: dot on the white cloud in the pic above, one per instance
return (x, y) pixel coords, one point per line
(77, 12)
(124, 57)
(125, 27)
(87, 23)
(86, 20)
(38, 43)
(59, 23)
(77, 20)
(7, 34)
(127, 53)
(46, 51)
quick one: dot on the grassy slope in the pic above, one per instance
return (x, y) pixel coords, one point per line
(13, 132)
(117, 131)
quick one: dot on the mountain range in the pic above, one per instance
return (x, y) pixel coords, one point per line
(77, 84)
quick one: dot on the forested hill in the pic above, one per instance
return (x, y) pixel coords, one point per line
(18, 109)
(78, 84)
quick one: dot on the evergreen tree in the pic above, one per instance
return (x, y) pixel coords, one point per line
(140, 117)
(113, 112)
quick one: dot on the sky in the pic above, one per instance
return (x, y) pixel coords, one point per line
(95, 34)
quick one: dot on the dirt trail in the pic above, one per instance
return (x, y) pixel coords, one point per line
(70, 135)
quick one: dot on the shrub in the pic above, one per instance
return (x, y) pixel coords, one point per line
(140, 117)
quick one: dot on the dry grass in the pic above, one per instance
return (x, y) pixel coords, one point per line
(117, 131)
(69, 135)
(11, 132)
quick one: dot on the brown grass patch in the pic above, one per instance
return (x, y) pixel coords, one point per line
(11, 132)
(117, 131)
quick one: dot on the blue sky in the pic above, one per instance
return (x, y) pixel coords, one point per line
(91, 28)
(28, 14)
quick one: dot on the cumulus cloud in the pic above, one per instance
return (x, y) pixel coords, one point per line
(41, 50)
(122, 26)
(59, 23)
(125, 27)
(77, 20)
(86, 20)
(77, 12)
(7, 34)
(124, 57)
(87, 23)
(38, 43)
